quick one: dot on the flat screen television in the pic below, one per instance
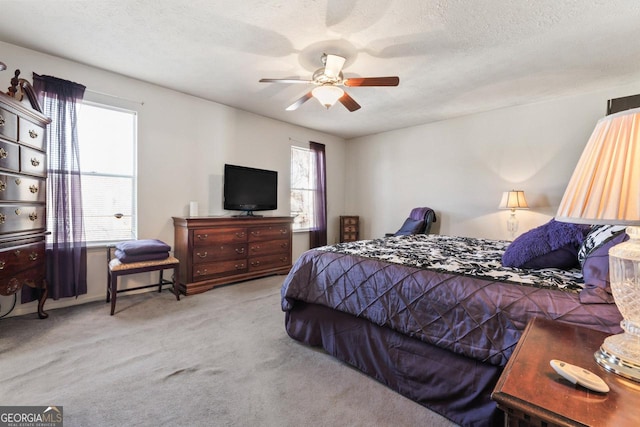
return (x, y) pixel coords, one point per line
(250, 189)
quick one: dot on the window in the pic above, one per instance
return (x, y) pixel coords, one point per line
(302, 178)
(107, 138)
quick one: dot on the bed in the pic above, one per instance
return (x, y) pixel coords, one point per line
(433, 317)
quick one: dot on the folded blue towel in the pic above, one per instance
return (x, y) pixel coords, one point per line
(145, 246)
(153, 256)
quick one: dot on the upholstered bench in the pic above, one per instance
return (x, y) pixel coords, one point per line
(117, 268)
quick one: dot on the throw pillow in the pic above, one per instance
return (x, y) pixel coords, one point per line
(565, 258)
(598, 235)
(542, 245)
(595, 271)
(410, 226)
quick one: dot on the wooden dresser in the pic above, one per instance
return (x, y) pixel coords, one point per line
(23, 173)
(220, 250)
(349, 228)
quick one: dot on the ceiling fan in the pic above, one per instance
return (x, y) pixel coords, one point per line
(328, 79)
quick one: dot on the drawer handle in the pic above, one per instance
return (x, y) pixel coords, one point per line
(14, 285)
(239, 266)
(33, 216)
(35, 162)
(18, 181)
(33, 134)
(2, 264)
(3, 153)
(1, 121)
(202, 236)
(33, 188)
(17, 252)
(255, 233)
(284, 245)
(201, 273)
(3, 218)
(239, 250)
(240, 234)
(283, 231)
(33, 256)
(18, 211)
(3, 186)
(284, 259)
(255, 263)
(255, 248)
(204, 255)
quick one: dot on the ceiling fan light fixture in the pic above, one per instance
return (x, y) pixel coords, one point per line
(327, 95)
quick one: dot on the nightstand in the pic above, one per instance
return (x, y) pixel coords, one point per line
(531, 393)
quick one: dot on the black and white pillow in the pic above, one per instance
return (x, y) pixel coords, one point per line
(599, 235)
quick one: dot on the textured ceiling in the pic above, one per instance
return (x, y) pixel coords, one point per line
(453, 57)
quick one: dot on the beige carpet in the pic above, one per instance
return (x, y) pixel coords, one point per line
(221, 358)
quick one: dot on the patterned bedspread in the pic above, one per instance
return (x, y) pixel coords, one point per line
(458, 255)
(448, 291)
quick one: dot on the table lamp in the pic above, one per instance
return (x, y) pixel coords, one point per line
(605, 189)
(513, 200)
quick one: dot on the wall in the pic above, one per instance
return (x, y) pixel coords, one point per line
(183, 143)
(460, 167)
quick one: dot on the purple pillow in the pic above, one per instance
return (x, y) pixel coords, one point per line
(542, 246)
(595, 272)
(565, 258)
(144, 246)
(410, 226)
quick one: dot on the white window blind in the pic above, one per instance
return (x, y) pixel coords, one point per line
(107, 138)
(302, 171)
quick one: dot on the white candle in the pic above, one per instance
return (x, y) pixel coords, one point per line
(193, 208)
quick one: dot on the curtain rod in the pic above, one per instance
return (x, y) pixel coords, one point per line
(95, 92)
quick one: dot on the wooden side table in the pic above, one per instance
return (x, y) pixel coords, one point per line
(531, 393)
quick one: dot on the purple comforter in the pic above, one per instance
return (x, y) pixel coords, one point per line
(478, 317)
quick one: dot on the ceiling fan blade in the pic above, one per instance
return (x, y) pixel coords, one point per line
(285, 81)
(349, 102)
(372, 81)
(307, 96)
(333, 65)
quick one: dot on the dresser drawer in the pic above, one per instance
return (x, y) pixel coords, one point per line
(269, 247)
(22, 189)
(8, 124)
(269, 261)
(219, 252)
(14, 218)
(270, 232)
(33, 277)
(21, 265)
(30, 133)
(33, 162)
(212, 236)
(9, 156)
(21, 257)
(216, 269)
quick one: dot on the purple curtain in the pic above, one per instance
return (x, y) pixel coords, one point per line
(318, 235)
(66, 248)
